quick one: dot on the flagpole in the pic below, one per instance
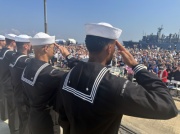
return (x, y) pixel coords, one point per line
(45, 17)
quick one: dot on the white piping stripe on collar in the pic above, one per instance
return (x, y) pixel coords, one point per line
(67, 77)
(89, 98)
(97, 81)
(27, 59)
(12, 65)
(35, 77)
(94, 86)
(74, 92)
(1, 58)
(79, 94)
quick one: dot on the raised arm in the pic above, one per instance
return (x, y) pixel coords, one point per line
(70, 59)
(149, 98)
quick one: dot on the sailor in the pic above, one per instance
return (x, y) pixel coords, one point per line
(41, 82)
(2, 41)
(5, 78)
(18, 62)
(93, 101)
(3, 110)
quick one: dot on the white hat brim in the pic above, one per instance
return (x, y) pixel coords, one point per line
(2, 37)
(103, 31)
(22, 38)
(10, 36)
(42, 41)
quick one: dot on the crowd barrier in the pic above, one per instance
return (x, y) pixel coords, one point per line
(174, 87)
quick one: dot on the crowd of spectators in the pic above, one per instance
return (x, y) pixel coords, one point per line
(163, 62)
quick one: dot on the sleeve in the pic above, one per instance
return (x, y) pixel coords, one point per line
(72, 61)
(166, 73)
(59, 108)
(9, 55)
(22, 62)
(56, 76)
(51, 78)
(52, 81)
(149, 98)
(25, 98)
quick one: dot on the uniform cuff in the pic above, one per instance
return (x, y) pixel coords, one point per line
(137, 68)
(69, 57)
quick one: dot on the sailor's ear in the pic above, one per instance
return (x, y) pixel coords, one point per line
(45, 48)
(26, 45)
(108, 49)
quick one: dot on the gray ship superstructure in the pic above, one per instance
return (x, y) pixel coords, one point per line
(172, 41)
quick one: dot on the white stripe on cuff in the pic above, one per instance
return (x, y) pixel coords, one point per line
(138, 68)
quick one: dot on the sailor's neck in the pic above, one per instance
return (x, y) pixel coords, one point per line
(42, 58)
(97, 59)
(10, 48)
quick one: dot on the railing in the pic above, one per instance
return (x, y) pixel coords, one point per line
(174, 87)
(126, 130)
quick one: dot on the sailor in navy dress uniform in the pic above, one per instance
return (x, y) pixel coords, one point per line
(18, 62)
(5, 76)
(93, 101)
(3, 108)
(41, 82)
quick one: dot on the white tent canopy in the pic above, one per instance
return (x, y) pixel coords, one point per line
(71, 41)
(60, 41)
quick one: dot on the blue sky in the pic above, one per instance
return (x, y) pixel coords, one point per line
(66, 18)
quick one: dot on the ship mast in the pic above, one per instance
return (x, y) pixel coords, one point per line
(159, 30)
(159, 33)
(179, 36)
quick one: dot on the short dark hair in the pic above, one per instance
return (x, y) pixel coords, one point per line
(19, 46)
(96, 43)
(8, 41)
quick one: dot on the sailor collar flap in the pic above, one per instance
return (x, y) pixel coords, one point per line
(3, 53)
(18, 57)
(32, 71)
(84, 79)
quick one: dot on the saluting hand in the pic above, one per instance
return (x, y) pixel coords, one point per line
(127, 57)
(62, 49)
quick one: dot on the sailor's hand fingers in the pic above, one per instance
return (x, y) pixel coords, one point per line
(55, 44)
(119, 46)
(128, 58)
(63, 50)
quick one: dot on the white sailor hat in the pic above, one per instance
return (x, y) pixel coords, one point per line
(2, 37)
(103, 30)
(22, 38)
(42, 39)
(10, 36)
